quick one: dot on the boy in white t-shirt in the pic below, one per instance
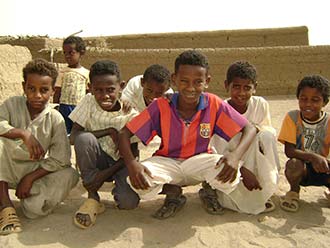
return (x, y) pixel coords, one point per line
(96, 121)
(261, 162)
(71, 84)
(142, 89)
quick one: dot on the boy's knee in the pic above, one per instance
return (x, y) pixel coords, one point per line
(70, 176)
(294, 168)
(266, 136)
(127, 201)
(83, 140)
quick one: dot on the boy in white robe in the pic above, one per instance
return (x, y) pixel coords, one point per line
(34, 149)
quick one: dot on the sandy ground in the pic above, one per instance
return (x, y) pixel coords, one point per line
(192, 227)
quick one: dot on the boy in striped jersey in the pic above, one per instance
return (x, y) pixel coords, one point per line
(185, 124)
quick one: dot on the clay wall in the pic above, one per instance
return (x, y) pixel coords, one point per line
(290, 36)
(35, 44)
(279, 68)
(12, 61)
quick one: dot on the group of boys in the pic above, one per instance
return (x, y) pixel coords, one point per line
(229, 146)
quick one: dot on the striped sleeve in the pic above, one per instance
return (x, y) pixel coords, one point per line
(146, 124)
(229, 122)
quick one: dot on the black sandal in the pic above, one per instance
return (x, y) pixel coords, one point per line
(210, 201)
(171, 206)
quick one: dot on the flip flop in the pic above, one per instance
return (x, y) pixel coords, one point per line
(9, 222)
(290, 202)
(171, 206)
(91, 208)
(270, 206)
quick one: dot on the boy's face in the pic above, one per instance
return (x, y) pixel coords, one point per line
(71, 55)
(310, 103)
(240, 91)
(190, 80)
(105, 89)
(38, 90)
(153, 89)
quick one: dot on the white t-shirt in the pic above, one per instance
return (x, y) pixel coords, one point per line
(133, 93)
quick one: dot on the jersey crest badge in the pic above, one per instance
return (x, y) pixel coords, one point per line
(205, 130)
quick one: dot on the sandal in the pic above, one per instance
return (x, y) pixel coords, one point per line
(290, 202)
(270, 206)
(171, 206)
(91, 208)
(209, 200)
(9, 222)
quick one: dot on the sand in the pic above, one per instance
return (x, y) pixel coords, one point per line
(192, 227)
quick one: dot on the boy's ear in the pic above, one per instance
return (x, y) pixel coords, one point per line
(122, 84)
(173, 78)
(226, 85)
(255, 88)
(89, 85)
(142, 81)
(23, 85)
(208, 80)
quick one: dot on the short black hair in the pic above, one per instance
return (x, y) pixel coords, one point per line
(41, 67)
(241, 69)
(78, 41)
(104, 67)
(158, 73)
(191, 57)
(318, 82)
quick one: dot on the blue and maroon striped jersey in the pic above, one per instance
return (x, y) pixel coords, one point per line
(185, 138)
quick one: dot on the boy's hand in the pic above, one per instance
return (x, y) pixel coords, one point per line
(229, 170)
(320, 164)
(34, 147)
(136, 173)
(23, 188)
(127, 106)
(250, 181)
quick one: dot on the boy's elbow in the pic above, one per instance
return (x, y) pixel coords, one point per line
(250, 129)
(125, 133)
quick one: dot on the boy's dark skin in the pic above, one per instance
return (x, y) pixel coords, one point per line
(190, 81)
(105, 88)
(37, 88)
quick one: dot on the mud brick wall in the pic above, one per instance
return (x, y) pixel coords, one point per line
(279, 68)
(12, 61)
(290, 36)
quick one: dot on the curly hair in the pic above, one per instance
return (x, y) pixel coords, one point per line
(104, 67)
(78, 41)
(191, 57)
(158, 73)
(318, 82)
(242, 69)
(41, 67)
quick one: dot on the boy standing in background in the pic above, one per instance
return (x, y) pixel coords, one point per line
(72, 82)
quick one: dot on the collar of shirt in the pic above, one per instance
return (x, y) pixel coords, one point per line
(202, 104)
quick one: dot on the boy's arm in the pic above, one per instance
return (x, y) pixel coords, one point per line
(57, 95)
(24, 186)
(35, 149)
(231, 159)
(319, 163)
(135, 169)
(76, 129)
